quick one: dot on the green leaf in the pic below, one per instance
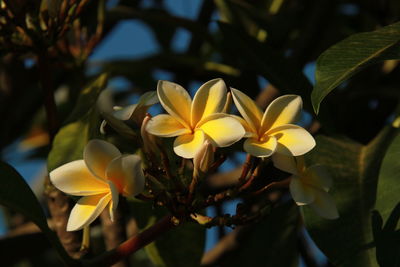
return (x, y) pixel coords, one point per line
(346, 58)
(387, 240)
(354, 169)
(389, 176)
(272, 241)
(82, 125)
(181, 247)
(16, 194)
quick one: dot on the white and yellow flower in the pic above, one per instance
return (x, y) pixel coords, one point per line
(273, 132)
(99, 178)
(195, 121)
(310, 186)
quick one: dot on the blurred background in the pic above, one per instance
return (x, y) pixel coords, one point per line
(264, 48)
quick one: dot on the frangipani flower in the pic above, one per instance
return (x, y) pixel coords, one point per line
(273, 131)
(99, 178)
(310, 186)
(195, 121)
(135, 112)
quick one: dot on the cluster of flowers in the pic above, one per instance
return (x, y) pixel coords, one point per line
(104, 173)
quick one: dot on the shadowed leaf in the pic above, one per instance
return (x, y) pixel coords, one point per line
(355, 169)
(16, 194)
(346, 58)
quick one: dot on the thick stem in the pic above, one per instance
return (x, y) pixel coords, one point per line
(115, 231)
(60, 208)
(133, 244)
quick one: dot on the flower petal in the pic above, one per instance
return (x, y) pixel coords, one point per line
(166, 126)
(98, 154)
(318, 176)
(285, 163)
(186, 146)
(114, 200)
(263, 148)
(86, 210)
(74, 178)
(292, 139)
(285, 109)
(248, 109)
(146, 100)
(175, 100)
(209, 99)
(127, 174)
(324, 205)
(249, 132)
(301, 193)
(124, 113)
(222, 129)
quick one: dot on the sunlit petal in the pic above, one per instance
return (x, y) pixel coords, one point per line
(258, 148)
(186, 146)
(249, 131)
(166, 126)
(124, 113)
(318, 176)
(248, 109)
(86, 210)
(285, 163)
(209, 99)
(301, 193)
(283, 110)
(127, 174)
(324, 205)
(114, 199)
(175, 100)
(146, 100)
(74, 178)
(98, 154)
(292, 138)
(222, 129)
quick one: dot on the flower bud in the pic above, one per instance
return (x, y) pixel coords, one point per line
(204, 158)
(149, 141)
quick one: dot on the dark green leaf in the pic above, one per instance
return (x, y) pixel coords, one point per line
(272, 241)
(355, 169)
(349, 56)
(387, 240)
(389, 176)
(16, 194)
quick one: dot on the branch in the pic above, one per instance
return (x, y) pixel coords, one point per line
(48, 90)
(133, 244)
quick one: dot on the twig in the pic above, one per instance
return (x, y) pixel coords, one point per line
(246, 168)
(250, 181)
(280, 184)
